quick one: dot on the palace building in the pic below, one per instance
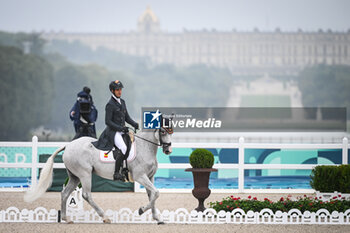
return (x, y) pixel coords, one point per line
(244, 53)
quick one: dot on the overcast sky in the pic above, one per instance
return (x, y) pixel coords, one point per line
(175, 15)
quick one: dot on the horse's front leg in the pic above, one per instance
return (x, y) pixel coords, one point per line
(154, 210)
(153, 194)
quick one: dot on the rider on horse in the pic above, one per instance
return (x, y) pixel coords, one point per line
(116, 116)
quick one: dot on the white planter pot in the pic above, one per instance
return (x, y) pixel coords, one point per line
(332, 196)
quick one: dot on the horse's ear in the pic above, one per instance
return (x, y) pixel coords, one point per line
(156, 135)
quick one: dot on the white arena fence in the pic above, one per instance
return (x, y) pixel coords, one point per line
(241, 166)
(180, 216)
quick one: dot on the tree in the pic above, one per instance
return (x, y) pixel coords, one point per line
(325, 86)
(159, 85)
(70, 79)
(32, 41)
(25, 97)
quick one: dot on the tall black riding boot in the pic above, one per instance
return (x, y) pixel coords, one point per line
(118, 156)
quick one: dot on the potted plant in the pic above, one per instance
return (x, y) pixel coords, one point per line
(331, 181)
(202, 161)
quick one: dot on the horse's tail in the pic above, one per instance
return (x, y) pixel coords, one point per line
(45, 179)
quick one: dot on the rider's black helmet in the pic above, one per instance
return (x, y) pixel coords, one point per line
(115, 85)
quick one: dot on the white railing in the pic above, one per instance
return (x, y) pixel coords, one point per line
(241, 166)
(180, 216)
(262, 137)
(34, 165)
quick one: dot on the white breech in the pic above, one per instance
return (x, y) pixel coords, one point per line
(119, 142)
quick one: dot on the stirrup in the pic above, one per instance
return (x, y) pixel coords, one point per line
(125, 173)
(118, 176)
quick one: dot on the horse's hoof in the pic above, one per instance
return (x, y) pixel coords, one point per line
(161, 223)
(107, 220)
(67, 220)
(140, 211)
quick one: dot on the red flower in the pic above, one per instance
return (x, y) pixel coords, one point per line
(320, 197)
(339, 195)
(228, 207)
(265, 199)
(249, 197)
(282, 199)
(231, 208)
(304, 195)
(315, 198)
(220, 203)
(255, 198)
(300, 205)
(310, 204)
(238, 198)
(331, 203)
(321, 202)
(335, 197)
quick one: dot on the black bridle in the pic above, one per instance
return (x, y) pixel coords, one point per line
(161, 143)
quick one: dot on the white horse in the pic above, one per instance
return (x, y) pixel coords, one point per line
(81, 159)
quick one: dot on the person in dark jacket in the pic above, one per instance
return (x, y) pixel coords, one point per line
(116, 116)
(84, 115)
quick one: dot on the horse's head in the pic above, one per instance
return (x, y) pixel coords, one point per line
(165, 140)
(164, 137)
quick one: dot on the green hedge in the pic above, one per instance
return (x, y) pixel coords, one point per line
(331, 178)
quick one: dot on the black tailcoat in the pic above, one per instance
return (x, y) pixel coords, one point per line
(116, 116)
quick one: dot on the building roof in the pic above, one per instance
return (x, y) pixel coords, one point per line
(148, 13)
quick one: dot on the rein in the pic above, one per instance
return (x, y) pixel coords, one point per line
(147, 140)
(161, 143)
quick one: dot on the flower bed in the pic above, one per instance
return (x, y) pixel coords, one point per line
(305, 203)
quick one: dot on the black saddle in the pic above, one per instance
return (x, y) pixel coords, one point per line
(127, 141)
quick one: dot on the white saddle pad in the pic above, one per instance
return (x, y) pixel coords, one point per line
(108, 158)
